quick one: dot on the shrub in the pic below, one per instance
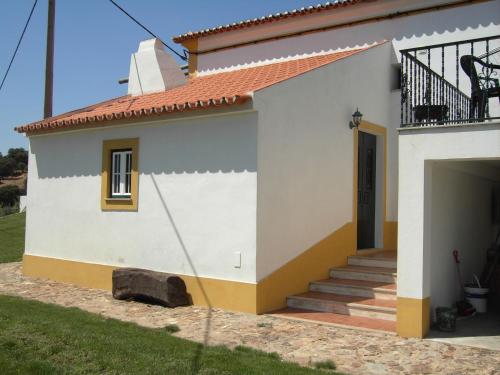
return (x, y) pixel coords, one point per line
(172, 328)
(9, 195)
(8, 210)
(325, 365)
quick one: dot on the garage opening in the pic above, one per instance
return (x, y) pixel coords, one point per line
(462, 213)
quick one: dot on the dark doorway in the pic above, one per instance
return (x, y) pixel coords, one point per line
(367, 161)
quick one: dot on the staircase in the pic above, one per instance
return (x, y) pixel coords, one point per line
(364, 292)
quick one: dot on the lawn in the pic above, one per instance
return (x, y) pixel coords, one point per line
(12, 237)
(37, 338)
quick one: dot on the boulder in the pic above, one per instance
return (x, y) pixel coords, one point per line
(150, 286)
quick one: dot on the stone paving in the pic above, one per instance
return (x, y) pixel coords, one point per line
(354, 351)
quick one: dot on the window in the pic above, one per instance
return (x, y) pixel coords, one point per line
(119, 175)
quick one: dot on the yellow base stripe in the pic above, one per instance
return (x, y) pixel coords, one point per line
(88, 275)
(314, 264)
(229, 295)
(391, 235)
(268, 295)
(413, 317)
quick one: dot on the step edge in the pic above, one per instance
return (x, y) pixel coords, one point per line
(347, 326)
(373, 258)
(375, 289)
(347, 304)
(342, 269)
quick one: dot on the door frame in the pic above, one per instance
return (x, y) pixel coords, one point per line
(381, 175)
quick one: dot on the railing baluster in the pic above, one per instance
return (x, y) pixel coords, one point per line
(408, 87)
(431, 97)
(428, 98)
(412, 92)
(401, 74)
(487, 112)
(457, 85)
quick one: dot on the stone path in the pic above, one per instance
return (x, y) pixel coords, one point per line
(354, 351)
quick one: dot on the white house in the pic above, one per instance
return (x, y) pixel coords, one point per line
(246, 179)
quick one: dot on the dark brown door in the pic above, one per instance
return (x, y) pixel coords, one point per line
(367, 152)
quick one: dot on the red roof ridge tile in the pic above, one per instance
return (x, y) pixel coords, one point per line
(266, 19)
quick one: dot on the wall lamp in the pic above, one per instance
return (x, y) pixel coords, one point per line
(356, 119)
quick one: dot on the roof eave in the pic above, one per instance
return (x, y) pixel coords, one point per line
(54, 125)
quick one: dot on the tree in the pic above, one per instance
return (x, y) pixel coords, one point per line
(7, 166)
(9, 195)
(20, 156)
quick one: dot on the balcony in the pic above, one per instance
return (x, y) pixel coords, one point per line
(452, 83)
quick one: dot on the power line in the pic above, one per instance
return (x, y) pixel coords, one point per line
(183, 57)
(18, 44)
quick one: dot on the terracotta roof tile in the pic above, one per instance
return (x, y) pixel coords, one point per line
(228, 88)
(266, 19)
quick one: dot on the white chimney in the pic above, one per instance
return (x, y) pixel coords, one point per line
(153, 70)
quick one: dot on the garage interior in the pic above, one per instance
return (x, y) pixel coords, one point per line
(462, 210)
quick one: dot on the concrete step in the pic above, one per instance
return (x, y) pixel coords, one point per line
(380, 274)
(372, 261)
(345, 305)
(357, 288)
(346, 321)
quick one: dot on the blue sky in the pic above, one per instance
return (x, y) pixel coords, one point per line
(93, 46)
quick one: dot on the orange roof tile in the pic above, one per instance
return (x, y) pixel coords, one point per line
(228, 88)
(266, 19)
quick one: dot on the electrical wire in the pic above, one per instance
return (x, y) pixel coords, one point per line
(183, 57)
(18, 44)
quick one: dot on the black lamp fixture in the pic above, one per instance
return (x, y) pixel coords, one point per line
(356, 119)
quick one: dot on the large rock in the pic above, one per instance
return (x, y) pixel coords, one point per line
(150, 286)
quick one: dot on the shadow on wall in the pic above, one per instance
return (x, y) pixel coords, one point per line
(199, 351)
(212, 145)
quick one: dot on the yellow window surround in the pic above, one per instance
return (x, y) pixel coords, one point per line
(119, 204)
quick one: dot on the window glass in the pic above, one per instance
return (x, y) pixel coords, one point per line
(121, 177)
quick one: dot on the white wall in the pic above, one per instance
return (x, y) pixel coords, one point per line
(22, 203)
(419, 149)
(198, 175)
(305, 157)
(461, 219)
(453, 24)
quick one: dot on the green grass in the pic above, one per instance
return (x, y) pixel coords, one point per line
(12, 237)
(172, 328)
(37, 338)
(325, 365)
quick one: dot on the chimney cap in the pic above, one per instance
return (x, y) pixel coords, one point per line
(149, 44)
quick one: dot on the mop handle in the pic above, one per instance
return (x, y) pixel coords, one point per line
(457, 261)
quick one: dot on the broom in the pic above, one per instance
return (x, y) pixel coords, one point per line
(464, 308)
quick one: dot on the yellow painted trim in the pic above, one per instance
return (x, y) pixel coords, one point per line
(224, 294)
(313, 264)
(377, 130)
(355, 187)
(391, 235)
(108, 204)
(413, 317)
(88, 275)
(192, 46)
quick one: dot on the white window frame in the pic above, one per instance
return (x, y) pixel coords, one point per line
(121, 173)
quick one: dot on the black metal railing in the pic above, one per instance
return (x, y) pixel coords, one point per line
(451, 83)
